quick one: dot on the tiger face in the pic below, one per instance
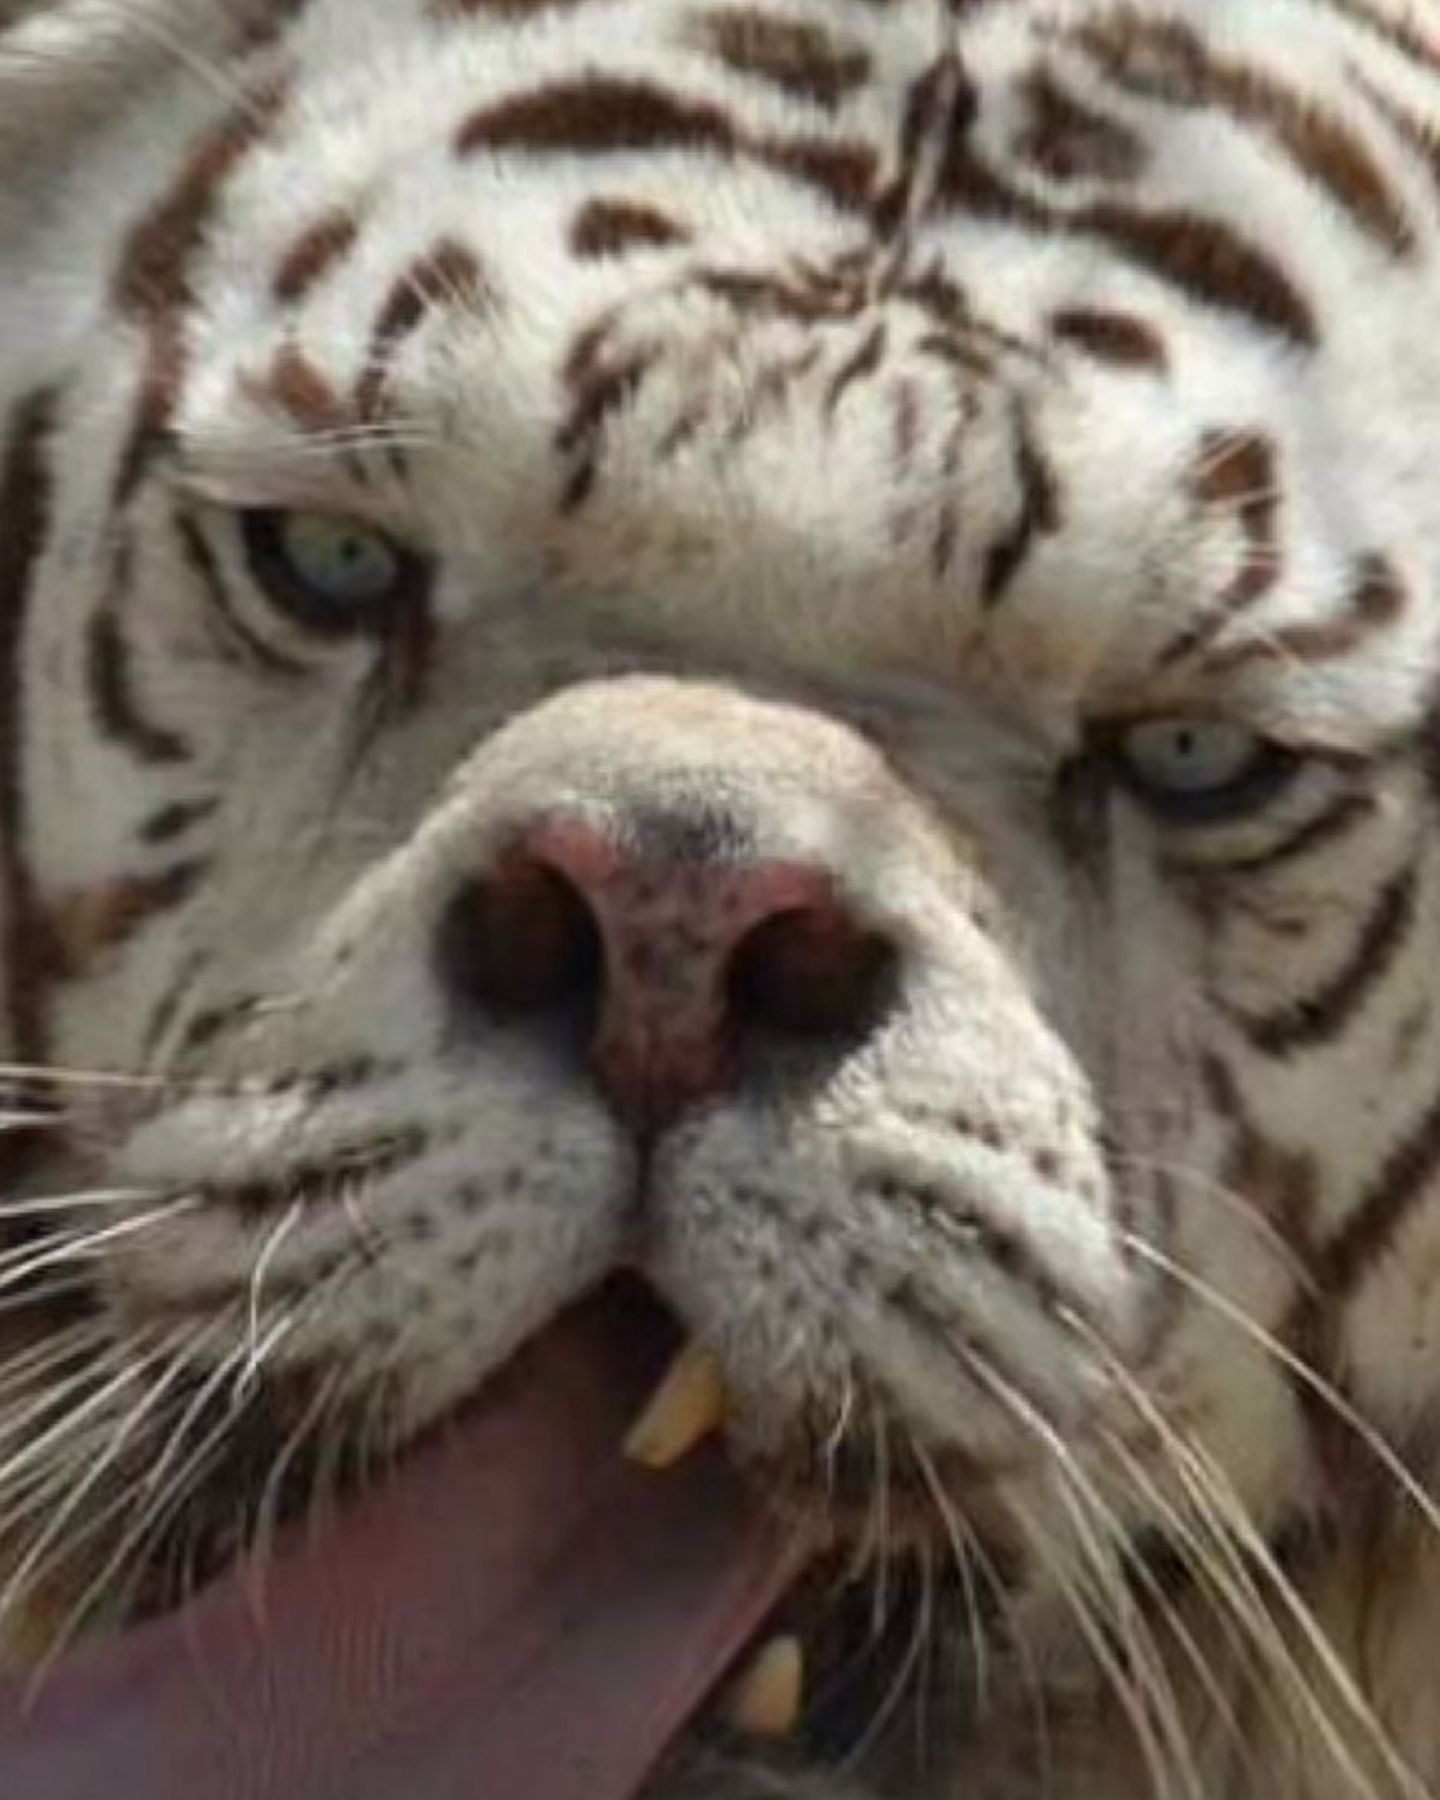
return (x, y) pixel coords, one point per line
(782, 653)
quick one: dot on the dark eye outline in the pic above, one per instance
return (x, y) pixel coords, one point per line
(1270, 768)
(402, 605)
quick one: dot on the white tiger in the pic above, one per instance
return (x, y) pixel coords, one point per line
(751, 674)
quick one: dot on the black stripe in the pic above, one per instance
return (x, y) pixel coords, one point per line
(112, 690)
(1404, 1177)
(1320, 1017)
(25, 503)
(1332, 822)
(1038, 513)
(174, 820)
(203, 565)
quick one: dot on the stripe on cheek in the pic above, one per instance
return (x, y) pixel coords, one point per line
(1321, 1016)
(113, 697)
(25, 508)
(86, 927)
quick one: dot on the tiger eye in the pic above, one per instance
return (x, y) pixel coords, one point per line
(334, 575)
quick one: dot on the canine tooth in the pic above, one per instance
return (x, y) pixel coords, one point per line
(687, 1406)
(766, 1704)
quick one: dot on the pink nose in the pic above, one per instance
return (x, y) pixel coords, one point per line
(681, 956)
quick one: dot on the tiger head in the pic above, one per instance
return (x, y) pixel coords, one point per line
(784, 653)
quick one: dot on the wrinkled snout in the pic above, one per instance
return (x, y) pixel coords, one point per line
(689, 905)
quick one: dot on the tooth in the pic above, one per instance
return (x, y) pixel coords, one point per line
(687, 1406)
(766, 1704)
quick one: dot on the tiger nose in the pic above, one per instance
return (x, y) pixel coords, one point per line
(681, 960)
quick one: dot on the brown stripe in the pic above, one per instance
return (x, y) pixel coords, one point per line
(1039, 513)
(778, 296)
(448, 275)
(611, 227)
(1239, 473)
(599, 385)
(313, 255)
(25, 502)
(594, 116)
(797, 56)
(1206, 259)
(112, 687)
(1320, 1017)
(1376, 600)
(153, 278)
(1163, 59)
(304, 393)
(87, 926)
(1421, 137)
(1401, 34)
(155, 262)
(1067, 140)
(1111, 337)
(497, 9)
(603, 114)
(844, 172)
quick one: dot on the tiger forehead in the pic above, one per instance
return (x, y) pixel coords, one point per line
(775, 334)
(693, 333)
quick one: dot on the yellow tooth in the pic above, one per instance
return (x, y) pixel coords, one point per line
(766, 1703)
(687, 1406)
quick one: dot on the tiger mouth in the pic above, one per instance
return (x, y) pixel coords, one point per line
(550, 1591)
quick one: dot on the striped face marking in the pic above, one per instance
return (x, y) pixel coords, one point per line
(788, 647)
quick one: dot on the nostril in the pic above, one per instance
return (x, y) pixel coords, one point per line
(520, 940)
(810, 971)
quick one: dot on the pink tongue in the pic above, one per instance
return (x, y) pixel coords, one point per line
(519, 1613)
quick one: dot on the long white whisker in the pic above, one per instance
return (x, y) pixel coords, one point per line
(1215, 1495)
(1218, 1303)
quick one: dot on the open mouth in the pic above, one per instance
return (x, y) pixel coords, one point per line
(536, 1603)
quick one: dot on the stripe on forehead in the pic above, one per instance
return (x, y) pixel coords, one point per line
(153, 287)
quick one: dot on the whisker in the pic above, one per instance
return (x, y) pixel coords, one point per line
(268, 1252)
(131, 1426)
(21, 1264)
(1151, 1695)
(1219, 1304)
(1241, 1205)
(266, 1525)
(959, 1540)
(1216, 1498)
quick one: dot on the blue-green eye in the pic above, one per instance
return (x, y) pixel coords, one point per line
(333, 575)
(1197, 770)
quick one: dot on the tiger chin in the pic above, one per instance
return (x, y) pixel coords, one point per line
(719, 899)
